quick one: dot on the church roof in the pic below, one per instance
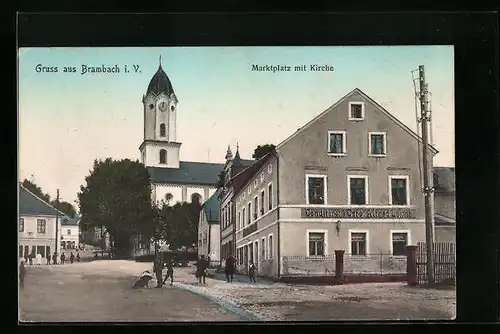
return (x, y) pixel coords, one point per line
(160, 83)
(189, 172)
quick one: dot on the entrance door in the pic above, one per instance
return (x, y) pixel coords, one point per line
(26, 251)
(20, 252)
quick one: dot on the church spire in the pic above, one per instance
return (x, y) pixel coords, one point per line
(237, 158)
(229, 154)
(160, 63)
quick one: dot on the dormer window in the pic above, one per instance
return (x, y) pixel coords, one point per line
(356, 111)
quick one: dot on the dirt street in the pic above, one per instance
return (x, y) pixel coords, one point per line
(101, 291)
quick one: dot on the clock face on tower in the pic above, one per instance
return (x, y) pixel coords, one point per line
(163, 106)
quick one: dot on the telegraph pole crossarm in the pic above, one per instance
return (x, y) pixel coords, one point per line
(427, 177)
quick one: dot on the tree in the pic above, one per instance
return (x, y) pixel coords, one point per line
(221, 180)
(65, 207)
(181, 224)
(262, 150)
(117, 197)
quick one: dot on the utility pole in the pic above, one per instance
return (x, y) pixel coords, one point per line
(427, 169)
(57, 222)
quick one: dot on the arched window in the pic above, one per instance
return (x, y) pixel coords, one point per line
(196, 198)
(163, 156)
(162, 130)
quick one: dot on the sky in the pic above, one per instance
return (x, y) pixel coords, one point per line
(67, 120)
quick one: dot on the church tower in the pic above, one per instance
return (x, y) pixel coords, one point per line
(160, 147)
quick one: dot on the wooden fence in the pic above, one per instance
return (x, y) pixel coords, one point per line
(444, 262)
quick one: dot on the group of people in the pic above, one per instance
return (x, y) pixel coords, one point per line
(53, 258)
(229, 269)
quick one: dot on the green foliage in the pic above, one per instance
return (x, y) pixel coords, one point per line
(117, 195)
(221, 180)
(65, 207)
(262, 150)
(180, 224)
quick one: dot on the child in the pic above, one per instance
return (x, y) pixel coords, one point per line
(251, 272)
(170, 273)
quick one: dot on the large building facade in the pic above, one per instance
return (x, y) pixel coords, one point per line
(348, 180)
(172, 180)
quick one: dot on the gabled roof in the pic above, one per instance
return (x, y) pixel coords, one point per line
(211, 208)
(67, 221)
(379, 107)
(32, 205)
(199, 173)
(240, 179)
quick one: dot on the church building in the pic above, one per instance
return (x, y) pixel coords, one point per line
(172, 180)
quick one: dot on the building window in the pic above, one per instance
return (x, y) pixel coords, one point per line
(255, 207)
(337, 143)
(270, 196)
(163, 156)
(358, 190)
(68, 231)
(316, 189)
(262, 202)
(399, 243)
(271, 247)
(244, 217)
(377, 143)
(399, 190)
(269, 169)
(356, 110)
(168, 197)
(249, 213)
(21, 224)
(41, 226)
(263, 249)
(196, 198)
(162, 130)
(261, 177)
(316, 244)
(358, 243)
(239, 220)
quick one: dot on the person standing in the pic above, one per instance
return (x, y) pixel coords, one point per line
(77, 257)
(71, 258)
(251, 272)
(54, 258)
(22, 274)
(230, 263)
(48, 258)
(63, 258)
(201, 270)
(170, 273)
